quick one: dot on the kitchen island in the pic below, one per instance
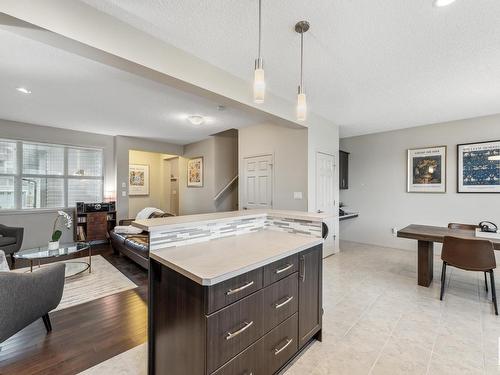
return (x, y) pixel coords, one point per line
(243, 303)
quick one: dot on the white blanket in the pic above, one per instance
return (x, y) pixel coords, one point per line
(127, 229)
(145, 213)
(3, 262)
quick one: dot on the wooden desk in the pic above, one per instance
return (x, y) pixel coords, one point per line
(426, 235)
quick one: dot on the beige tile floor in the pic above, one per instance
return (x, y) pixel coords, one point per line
(378, 321)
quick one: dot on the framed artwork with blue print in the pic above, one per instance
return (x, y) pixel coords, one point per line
(479, 167)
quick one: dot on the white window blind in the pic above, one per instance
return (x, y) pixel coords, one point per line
(34, 175)
(8, 171)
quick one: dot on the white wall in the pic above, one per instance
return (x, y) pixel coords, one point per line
(197, 200)
(289, 147)
(159, 190)
(122, 146)
(377, 182)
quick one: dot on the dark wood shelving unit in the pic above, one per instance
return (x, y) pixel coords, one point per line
(94, 226)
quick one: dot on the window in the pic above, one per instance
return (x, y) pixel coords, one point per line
(35, 175)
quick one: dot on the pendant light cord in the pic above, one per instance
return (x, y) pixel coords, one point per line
(260, 24)
(301, 61)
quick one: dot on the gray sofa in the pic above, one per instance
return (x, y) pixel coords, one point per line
(11, 240)
(26, 297)
(134, 246)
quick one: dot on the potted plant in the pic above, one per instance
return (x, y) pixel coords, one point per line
(56, 232)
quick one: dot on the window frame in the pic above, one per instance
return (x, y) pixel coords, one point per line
(19, 175)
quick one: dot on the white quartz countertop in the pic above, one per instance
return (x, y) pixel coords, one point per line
(190, 220)
(211, 262)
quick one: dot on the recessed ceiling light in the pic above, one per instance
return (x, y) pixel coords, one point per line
(443, 3)
(24, 90)
(196, 119)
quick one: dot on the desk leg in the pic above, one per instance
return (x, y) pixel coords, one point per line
(425, 263)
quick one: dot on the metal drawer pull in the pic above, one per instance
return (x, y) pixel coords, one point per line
(231, 335)
(286, 268)
(233, 291)
(278, 351)
(278, 305)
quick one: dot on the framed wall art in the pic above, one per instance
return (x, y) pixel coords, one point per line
(195, 172)
(478, 167)
(138, 179)
(427, 170)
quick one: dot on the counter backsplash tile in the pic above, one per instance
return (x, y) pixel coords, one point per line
(206, 232)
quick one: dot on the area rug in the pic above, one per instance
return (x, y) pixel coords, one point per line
(131, 362)
(104, 280)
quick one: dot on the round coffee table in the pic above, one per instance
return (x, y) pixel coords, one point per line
(72, 268)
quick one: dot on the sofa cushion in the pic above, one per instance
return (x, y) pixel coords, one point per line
(5, 241)
(138, 243)
(118, 237)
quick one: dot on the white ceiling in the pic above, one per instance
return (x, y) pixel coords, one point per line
(369, 66)
(69, 91)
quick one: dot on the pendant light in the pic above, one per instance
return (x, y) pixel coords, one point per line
(259, 84)
(301, 27)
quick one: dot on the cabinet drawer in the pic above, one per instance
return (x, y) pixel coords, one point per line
(280, 269)
(248, 362)
(234, 328)
(268, 354)
(280, 345)
(281, 300)
(229, 291)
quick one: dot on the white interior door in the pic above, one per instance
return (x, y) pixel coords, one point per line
(325, 196)
(258, 182)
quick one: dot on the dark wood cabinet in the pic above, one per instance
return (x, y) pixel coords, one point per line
(343, 170)
(254, 323)
(94, 226)
(310, 293)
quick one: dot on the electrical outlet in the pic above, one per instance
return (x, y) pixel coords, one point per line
(124, 193)
(394, 231)
(297, 195)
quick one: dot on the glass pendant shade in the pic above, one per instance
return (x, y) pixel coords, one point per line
(301, 107)
(259, 86)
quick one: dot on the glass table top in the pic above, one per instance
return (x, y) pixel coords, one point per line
(44, 252)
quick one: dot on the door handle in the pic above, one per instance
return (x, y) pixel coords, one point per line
(233, 291)
(302, 273)
(278, 351)
(279, 305)
(286, 268)
(232, 335)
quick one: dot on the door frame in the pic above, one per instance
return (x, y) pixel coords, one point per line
(242, 192)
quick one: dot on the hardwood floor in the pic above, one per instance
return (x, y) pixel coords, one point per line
(82, 335)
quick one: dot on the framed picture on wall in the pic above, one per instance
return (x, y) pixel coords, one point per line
(138, 179)
(427, 170)
(195, 172)
(478, 167)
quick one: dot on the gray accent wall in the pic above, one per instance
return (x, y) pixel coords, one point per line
(38, 224)
(377, 182)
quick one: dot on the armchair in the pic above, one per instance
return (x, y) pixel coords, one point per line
(26, 297)
(11, 240)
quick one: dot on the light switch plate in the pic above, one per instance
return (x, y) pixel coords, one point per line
(297, 195)
(124, 184)
(124, 193)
